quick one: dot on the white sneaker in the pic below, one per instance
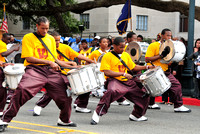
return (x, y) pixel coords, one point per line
(7, 101)
(154, 106)
(37, 110)
(182, 109)
(124, 103)
(3, 125)
(133, 118)
(82, 110)
(1, 113)
(95, 118)
(70, 124)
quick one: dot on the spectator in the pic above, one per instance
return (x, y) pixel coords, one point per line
(140, 38)
(75, 45)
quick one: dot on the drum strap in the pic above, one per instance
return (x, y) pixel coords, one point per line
(39, 38)
(63, 55)
(114, 53)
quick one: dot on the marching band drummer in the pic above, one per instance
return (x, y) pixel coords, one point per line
(121, 84)
(3, 53)
(41, 71)
(69, 53)
(131, 36)
(82, 100)
(103, 42)
(152, 55)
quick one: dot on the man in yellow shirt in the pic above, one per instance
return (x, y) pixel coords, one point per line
(119, 83)
(42, 70)
(3, 53)
(131, 36)
(152, 55)
(70, 54)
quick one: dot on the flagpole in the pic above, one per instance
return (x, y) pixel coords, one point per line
(131, 16)
(4, 25)
(4, 8)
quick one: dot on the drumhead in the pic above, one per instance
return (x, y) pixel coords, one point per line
(72, 71)
(14, 69)
(143, 46)
(171, 53)
(149, 73)
(134, 50)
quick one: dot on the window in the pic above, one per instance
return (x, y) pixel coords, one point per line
(26, 23)
(85, 18)
(141, 22)
(183, 23)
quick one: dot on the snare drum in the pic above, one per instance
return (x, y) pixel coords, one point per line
(155, 81)
(13, 75)
(99, 75)
(177, 51)
(82, 80)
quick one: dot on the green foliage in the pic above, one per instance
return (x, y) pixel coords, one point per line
(36, 5)
(148, 40)
(69, 20)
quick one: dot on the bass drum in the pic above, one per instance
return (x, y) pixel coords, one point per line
(137, 51)
(177, 51)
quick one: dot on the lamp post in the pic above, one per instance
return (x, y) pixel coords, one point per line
(81, 28)
(187, 79)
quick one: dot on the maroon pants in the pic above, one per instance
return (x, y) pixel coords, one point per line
(82, 100)
(34, 79)
(130, 90)
(3, 92)
(44, 100)
(175, 92)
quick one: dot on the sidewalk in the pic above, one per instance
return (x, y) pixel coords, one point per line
(186, 101)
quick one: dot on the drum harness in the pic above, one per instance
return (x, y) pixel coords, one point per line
(62, 68)
(130, 71)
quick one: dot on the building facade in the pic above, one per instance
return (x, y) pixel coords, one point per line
(147, 22)
(102, 22)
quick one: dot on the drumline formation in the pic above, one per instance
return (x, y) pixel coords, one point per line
(91, 77)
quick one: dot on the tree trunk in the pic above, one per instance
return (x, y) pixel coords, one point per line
(63, 28)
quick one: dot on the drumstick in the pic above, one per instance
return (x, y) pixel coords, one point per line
(133, 76)
(152, 64)
(62, 68)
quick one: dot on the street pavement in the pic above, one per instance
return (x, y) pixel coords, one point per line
(116, 121)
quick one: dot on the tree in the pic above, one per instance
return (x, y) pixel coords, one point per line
(57, 8)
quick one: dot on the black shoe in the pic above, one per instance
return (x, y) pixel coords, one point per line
(93, 122)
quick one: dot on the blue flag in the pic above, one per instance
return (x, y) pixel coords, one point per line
(124, 18)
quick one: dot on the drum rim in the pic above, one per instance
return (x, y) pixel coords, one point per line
(172, 54)
(145, 73)
(140, 51)
(7, 70)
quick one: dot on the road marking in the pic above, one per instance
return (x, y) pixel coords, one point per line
(33, 130)
(62, 128)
